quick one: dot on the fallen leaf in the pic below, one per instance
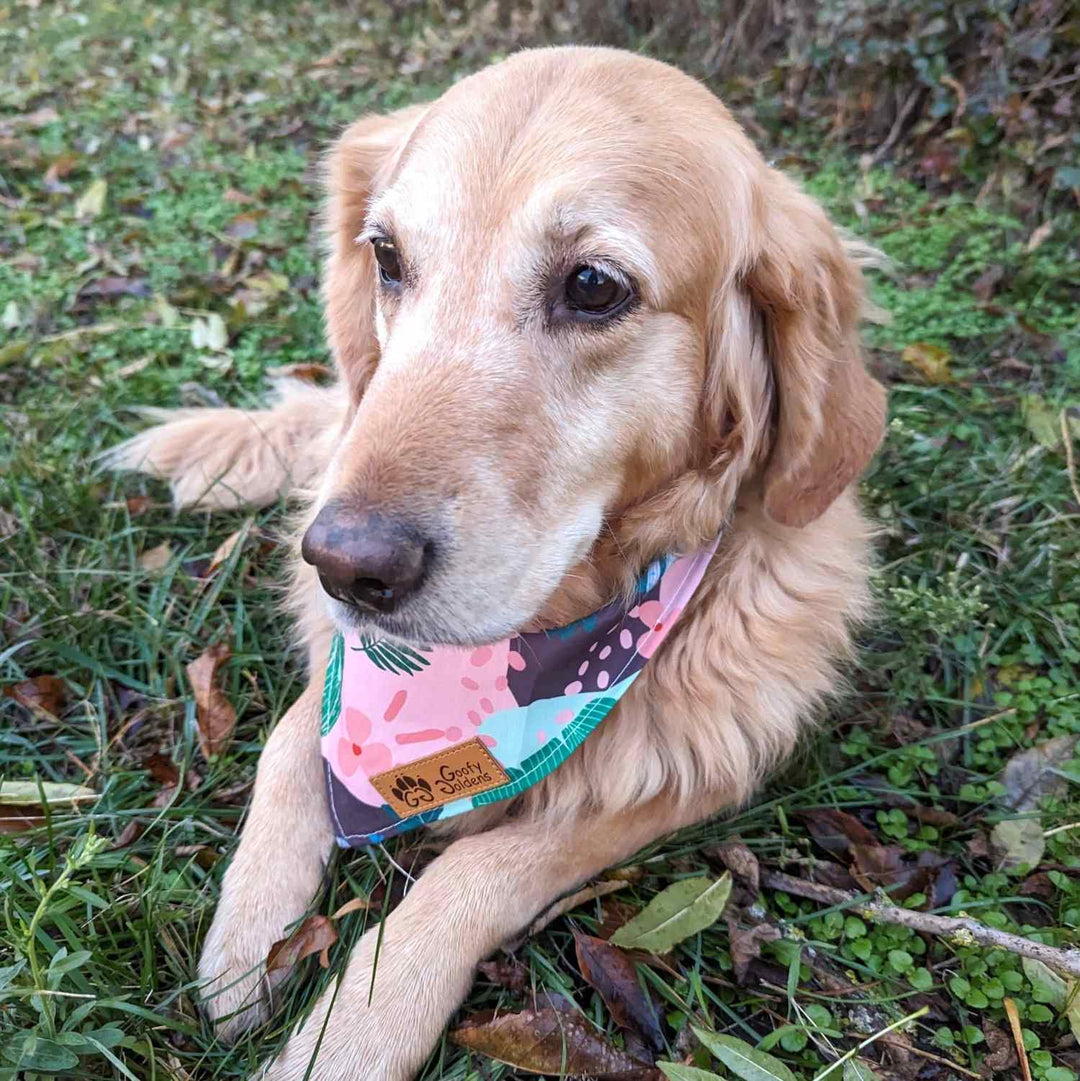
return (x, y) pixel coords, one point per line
(305, 373)
(1039, 237)
(355, 905)
(745, 945)
(45, 694)
(92, 201)
(163, 769)
(156, 558)
(854, 1070)
(741, 861)
(19, 819)
(234, 196)
(209, 333)
(31, 793)
(836, 831)
(1018, 843)
(137, 504)
(676, 913)
(550, 1041)
(1041, 420)
(214, 712)
(676, 1071)
(930, 361)
(1002, 1054)
(129, 834)
(1047, 986)
(742, 1059)
(1031, 775)
(987, 282)
(315, 935)
(115, 286)
(225, 548)
(244, 226)
(506, 972)
(615, 978)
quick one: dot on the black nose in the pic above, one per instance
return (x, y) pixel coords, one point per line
(364, 558)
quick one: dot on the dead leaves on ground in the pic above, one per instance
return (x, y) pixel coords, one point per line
(553, 1041)
(214, 713)
(40, 694)
(315, 935)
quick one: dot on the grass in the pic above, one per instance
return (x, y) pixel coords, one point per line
(203, 123)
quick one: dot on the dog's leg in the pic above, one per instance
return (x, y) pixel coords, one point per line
(475, 896)
(275, 873)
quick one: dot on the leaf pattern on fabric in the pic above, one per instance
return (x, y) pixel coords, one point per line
(331, 702)
(553, 753)
(392, 656)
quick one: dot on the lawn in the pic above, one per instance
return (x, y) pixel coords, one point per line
(159, 246)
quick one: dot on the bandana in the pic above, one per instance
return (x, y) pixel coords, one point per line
(412, 734)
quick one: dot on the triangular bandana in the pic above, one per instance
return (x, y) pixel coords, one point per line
(413, 734)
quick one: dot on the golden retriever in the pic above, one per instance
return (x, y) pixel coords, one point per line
(712, 377)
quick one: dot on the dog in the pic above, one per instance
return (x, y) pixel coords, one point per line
(577, 321)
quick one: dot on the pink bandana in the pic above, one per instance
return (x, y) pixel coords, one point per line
(411, 734)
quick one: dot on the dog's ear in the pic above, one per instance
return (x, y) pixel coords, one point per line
(829, 413)
(356, 168)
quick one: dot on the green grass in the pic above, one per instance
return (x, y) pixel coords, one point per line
(178, 108)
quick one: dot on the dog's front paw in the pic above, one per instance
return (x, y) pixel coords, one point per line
(257, 909)
(236, 989)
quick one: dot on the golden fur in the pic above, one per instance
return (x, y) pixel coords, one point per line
(559, 463)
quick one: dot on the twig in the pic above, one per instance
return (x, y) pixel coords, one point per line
(962, 930)
(898, 126)
(1018, 1037)
(911, 1049)
(560, 908)
(1070, 461)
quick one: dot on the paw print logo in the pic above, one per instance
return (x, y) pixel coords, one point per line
(411, 791)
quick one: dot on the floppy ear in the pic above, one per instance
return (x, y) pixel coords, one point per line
(356, 168)
(829, 413)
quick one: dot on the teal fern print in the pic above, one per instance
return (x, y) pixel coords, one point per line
(556, 751)
(391, 656)
(331, 701)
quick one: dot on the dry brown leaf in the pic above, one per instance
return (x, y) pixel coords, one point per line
(1018, 1036)
(355, 905)
(614, 975)
(41, 694)
(137, 504)
(1039, 237)
(987, 282)
(506, 972)
(214, 712)
(745, 945)
(740, 861)
(930, 361)
(225, 548)
(18, 819)
(241, 197)
(836, 831)
(306, 373)
(554, 1042)
(315, 935)
(157, 558)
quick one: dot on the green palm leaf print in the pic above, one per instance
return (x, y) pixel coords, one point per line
(391, 656)
(331, 701)
(552, 755)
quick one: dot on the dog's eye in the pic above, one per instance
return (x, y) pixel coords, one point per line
(386, 255)
(589, 289)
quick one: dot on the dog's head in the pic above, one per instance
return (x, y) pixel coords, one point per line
(575, 310)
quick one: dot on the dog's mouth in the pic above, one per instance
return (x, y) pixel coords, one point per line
(415, 629)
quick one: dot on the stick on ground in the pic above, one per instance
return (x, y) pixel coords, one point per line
(962, 930)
